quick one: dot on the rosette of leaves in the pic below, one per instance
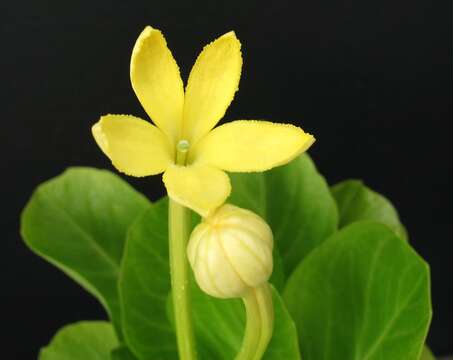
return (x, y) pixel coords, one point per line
(346, 282)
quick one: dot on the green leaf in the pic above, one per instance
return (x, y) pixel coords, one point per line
(145, 288)
(358, 202)
(145, 285)
(220, 327)
(427, 354)
(88, 340)
(122, 353)
(364, 294)
(78, 222)
(296, 201)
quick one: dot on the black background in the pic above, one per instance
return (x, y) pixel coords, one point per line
(371, 79)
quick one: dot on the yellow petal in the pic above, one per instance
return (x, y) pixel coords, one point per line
(156, 81)
(199, 187)
(134, 146)
(250, 145)
(212, 83)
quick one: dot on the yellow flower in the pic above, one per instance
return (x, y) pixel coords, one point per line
(183, 144)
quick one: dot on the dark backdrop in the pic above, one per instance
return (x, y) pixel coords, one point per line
(371, 79)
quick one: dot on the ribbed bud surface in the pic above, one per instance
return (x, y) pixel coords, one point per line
(231, 252)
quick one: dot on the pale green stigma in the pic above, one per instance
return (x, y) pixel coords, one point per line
(181, 151)
(183, 145)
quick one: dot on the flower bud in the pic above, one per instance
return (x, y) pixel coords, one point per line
(230, 252)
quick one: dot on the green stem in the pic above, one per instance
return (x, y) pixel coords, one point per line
(179, 231)
(252, 327)
(266, 308)
(260, 323)
(179, 228)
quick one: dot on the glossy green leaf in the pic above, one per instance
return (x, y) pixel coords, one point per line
(296, 201)
(78, 222)
(145, 285)
(427, 354)
(358, 202)
(87, 340)
(122, 352)
(363, 294)
(145, 290)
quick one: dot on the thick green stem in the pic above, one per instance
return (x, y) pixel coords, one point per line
(179, 228)
(260, 323)
(179, 231)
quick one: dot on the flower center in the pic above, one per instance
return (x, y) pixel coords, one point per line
(182, 148)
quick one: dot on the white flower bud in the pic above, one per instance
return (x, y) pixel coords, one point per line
(230, 252)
